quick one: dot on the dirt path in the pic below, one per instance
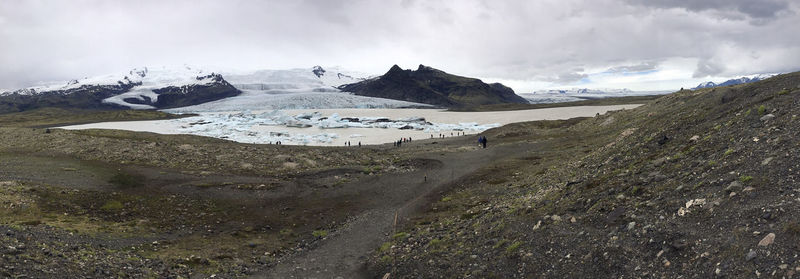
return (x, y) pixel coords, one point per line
(343, 253)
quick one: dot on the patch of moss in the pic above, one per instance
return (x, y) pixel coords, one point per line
(319, 233)
(745, 178)
(762, 110)
(112, 205)
(500, 243)
(385, 247)
(513, 247)
(400, 236)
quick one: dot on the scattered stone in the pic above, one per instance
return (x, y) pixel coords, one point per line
(694, 138)
(750, 255)
(631, 225)
(572, 220)
(767, 161)
(556, 218)
(767, 117)
(734, 186)
(783, 266)
(538, 225)
(767, 240)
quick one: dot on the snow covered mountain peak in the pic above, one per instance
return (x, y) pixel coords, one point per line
(317, 77)
(735, 81)
(142, 78)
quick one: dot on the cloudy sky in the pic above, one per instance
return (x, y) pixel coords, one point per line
(528, 45)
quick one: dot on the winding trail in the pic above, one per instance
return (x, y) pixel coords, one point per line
(344, 253)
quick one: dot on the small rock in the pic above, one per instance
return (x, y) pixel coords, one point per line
(766, 161)
(732, 194)
(694, 138)
(750, 255)
(572, 220)
(734, 186)
(538, 225)
(556, 218)
(783, 266)
(767, 117)
(631, 225)
(767, 240)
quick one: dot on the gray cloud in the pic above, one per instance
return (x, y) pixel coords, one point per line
(707, 68)
(530, 41)
(755, 9)
(570, 77)
(644, 66)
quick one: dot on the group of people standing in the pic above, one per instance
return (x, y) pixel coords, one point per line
(400, 142)
(347, 143)
(482, 141)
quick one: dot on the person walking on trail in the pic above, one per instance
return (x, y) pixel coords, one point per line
(484, 141)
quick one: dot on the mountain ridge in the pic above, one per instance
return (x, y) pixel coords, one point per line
(139, 88)
(433, 86)
(734, 81)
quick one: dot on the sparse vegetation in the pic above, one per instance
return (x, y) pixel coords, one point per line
(112, 206)
(320, 233)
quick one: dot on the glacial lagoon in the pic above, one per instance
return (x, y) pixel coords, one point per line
(335, 127)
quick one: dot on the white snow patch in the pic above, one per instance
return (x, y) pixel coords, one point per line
(138, 94)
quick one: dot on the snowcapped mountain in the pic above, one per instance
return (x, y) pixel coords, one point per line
(193, 89)
(139, 88)
(303, 78)
(303, 88)
(735, 81)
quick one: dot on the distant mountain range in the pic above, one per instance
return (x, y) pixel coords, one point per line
(578, 94)
(144, 88)
(431, 86)
(171, 87)
(735, 81)
(181, 87)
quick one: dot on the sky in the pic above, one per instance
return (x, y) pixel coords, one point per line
(527, 45)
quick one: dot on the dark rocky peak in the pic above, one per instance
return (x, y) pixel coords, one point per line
(318, 71)
(394, 69)
(423, 68)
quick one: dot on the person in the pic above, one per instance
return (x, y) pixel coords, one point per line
(359, 144)
(484, 141)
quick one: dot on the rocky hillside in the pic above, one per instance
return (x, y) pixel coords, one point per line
(431, 86)
(696, 184)
(137, 89)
